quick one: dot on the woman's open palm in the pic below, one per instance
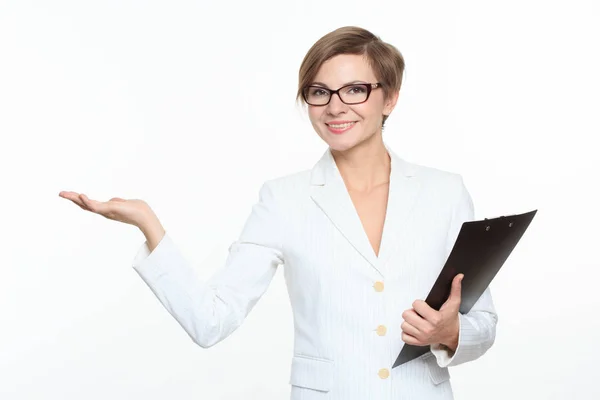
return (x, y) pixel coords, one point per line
(128, 211)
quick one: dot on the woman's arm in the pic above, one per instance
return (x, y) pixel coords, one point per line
(152, 230)
(210, 311)
(477, 328)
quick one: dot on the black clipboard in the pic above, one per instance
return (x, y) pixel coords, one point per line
(479, 252)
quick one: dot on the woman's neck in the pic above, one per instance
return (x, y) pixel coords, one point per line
(365, 166)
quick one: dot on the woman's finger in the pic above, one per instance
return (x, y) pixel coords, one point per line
(408, 339)
(414, 319)
(93, 205)
(74, 197)
(108, 209)
(80, 204)
(409, 329)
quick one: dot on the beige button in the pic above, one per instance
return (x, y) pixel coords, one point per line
(378, 286)
(381, 330)
(384, 373)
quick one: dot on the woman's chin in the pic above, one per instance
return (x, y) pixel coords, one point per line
(346, 142)
(341, 143)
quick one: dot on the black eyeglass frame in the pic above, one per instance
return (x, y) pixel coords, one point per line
(369, 86)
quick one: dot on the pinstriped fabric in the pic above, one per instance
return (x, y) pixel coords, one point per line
(307, 222)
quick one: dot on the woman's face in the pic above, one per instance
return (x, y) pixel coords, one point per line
(344, 126)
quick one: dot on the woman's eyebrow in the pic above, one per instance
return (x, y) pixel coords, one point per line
(345, 84)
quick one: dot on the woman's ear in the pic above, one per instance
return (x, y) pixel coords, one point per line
(390, 103)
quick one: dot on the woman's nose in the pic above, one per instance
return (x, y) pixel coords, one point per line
(336, 105)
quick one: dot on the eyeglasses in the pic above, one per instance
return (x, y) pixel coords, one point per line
(350, 94)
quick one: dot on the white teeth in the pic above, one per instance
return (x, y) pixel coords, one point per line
(342, 126)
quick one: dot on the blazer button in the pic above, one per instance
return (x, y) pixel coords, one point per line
(384, 373)
(381, 330)
(378, 286)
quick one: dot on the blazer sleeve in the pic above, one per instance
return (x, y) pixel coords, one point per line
(477, 330)
(210, 311)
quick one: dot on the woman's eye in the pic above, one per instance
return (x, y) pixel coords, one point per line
(356, 90)
(318, 92)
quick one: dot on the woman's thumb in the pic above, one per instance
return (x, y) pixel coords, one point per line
(455, 292)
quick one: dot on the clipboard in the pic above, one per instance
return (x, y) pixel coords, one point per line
(480, 250)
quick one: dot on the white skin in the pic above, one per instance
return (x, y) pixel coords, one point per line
(364, 164)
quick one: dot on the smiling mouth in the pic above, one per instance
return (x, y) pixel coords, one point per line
(340, 129)
(341, 126)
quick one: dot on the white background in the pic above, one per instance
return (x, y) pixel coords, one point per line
(169, 101)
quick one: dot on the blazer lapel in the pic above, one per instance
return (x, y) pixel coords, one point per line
(330, 193)
(402, 197)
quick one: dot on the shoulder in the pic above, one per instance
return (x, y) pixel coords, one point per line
(436, 179)
(290, 184)
(443, 190)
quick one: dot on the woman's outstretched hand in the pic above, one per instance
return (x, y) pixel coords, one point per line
(133, 212)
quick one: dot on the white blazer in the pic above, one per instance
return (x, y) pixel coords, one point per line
(346, 301)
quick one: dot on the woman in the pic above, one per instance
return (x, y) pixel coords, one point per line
(361, 235)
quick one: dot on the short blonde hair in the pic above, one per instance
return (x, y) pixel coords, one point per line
(385, 60)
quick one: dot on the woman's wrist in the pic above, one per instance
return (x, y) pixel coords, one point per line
(152, 230)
